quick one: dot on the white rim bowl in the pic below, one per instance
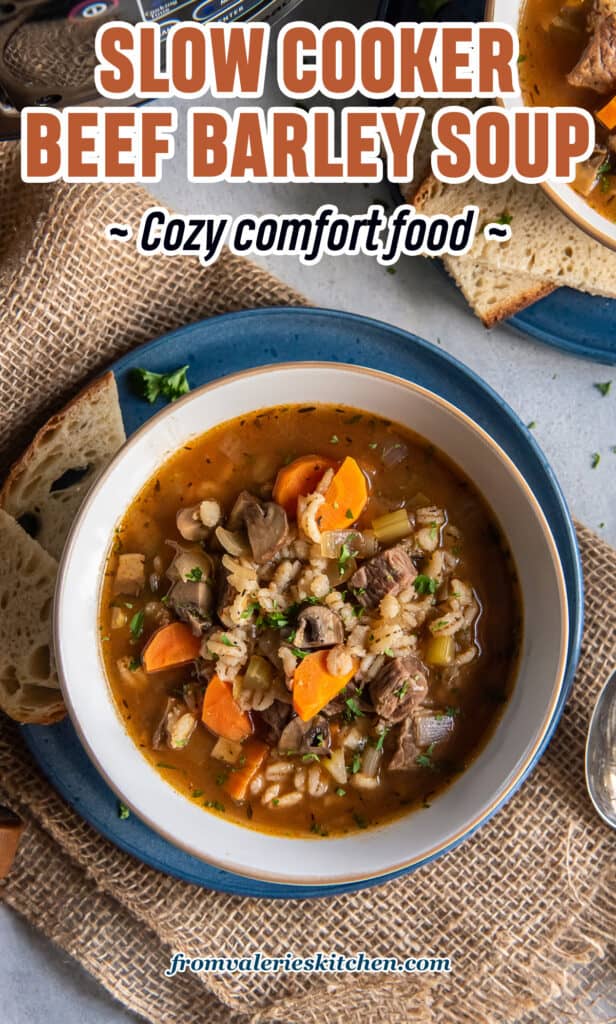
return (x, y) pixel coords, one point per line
(409, 839)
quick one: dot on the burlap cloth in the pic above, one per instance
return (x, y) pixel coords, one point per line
(525, 908)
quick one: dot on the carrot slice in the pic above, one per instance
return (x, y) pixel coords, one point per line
(170, 646)
(314, 686)
(607, 114)
(345, 497)
(222, 715)
(254, 753)
(302, 476)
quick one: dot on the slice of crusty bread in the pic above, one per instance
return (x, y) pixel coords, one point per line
(495, 296)
(492, 295)
(48, 483)
(29, 687)
(545, 245)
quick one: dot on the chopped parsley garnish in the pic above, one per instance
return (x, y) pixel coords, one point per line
(425, 760)
(603, 388)
(373, 444)
(310, 757)
(334, 439)
(354, 710)
(151, 386)
(391, 270)
(349, 514)
(343, 558)
(318, 830)
(359, 820)
(299, 653)
(426, 584)
(196, 793)
(134, 664)
(402, 690)
(433, 531)
(275, 802)
(136, 624)
(531, 425)
(169, 767)
(595, 460)
(195, 575)
(389, 652)
(381, 739)
(221, 778)
(522, 58)
(505, 218)
(340, 791)
(215, 804)
(226, 641)
(123, 811)
(356, 764)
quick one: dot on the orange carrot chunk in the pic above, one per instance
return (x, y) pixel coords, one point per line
(345, 497)
(222, 714)
(300, 477)
(314, 686)
(607, 114)
(169, 647)
(254, 753)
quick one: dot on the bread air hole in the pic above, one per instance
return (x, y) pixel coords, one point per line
(40, 662)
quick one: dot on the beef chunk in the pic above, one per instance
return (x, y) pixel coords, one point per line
(400, 686)
(388, 573)
(404, 758)
(275, 718)
(596, 68)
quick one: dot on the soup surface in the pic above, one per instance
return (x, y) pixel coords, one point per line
(310, 621)
(568, 58)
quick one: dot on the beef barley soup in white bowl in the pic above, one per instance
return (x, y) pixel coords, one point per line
(311, 624)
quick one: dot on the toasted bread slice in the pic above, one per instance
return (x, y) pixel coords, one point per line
(492, 295)
(29, 687)
(48, 483)
(545, 246)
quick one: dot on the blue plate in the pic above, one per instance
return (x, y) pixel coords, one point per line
(574, 321)
(239, 341)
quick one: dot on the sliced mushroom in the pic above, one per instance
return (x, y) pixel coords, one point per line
(190, 525)
(318, 626)
(312, 737)
(192, 602)
(266, 525)
(190, 565)
(175, 727)
(130, 575)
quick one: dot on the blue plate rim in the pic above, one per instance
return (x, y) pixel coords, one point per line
(576, 596)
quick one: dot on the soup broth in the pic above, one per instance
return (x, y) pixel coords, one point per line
(310, 621)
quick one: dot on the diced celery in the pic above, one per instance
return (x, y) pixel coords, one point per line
(259, 674)
(393, 526)
(440, 651)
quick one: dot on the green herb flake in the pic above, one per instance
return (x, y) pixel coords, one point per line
(389, 652)
(343, 558)
(334, 439)
(426, 584)
(136, 624)
(359, 820)
(151, 386)
(430, 8)
(392, 270)
(354, 710)
(355, 764)
(603, 388)
(522, 58)
(318, 830)
(123, 811)
(373, 445)
(196, 793)
(340, 791)
(531, 425)
(195, 575)
(505, 218)
(215, 805)
(402, 690)
(226, 641)
(310, 757)
(299, 653)
(134, 664)
(349, 514)
(381, 739)
(433, 531)
(595, 459)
